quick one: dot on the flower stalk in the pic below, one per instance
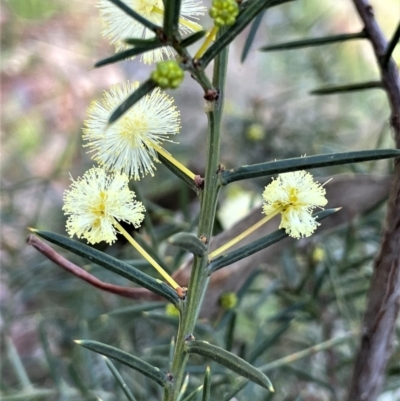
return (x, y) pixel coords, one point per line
(206, 44)
(243, 235)
(175, 162)
(163, 273)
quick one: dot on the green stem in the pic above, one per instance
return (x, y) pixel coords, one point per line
(199, 277)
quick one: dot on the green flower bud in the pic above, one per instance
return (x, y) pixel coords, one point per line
(168, 74)
(224, 12)
(228, 300)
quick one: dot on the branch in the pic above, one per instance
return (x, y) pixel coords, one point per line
(393, 42)
(384, 295)
(50, 253)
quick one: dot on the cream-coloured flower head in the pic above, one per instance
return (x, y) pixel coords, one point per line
(127, 145)
(96, 201)
(297, 195)
(119, 26)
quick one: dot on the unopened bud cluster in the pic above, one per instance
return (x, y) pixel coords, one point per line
(168, 74)
(224, 12)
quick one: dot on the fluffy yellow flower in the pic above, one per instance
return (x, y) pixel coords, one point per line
(296, 195)
(127, 145)
(119, 26)
(96, 201)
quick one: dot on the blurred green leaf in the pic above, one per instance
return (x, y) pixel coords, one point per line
(36, 394)
(49, 357)
(193, 394)
(33, 9)
(77, 380)
(229, 332)
(303, 163)
(183, 388)
(267, 342)
(252, 34)
(16, 363)
(314, 41)
(119, 380)
(331, 90)
(230, 361)
(290, 359)
(127, 359)
(304, 375)
(135, 310)
(230, 314)
(207, 385)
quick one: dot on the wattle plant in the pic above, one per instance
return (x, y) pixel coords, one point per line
(124, 134)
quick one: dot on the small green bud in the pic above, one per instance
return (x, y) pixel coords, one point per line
(171, 310)
(228, 300)
(318, 254)
(255, 132)
(224, 12)
(168, 74)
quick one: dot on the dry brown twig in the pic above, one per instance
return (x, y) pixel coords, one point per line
(384, 294)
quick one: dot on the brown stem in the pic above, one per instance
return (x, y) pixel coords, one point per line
(50, 253)
(384, 295)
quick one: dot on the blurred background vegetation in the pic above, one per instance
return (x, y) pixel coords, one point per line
(314, 293)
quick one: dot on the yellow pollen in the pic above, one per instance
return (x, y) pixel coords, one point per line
(132, 130)
(293, 196)
(99, 208)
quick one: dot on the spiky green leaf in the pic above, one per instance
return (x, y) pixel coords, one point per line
(127, 54)
(332, 90)
(304, 163)
(230, 361)
(314, 41)
(127, 359)
(143, 90)
(112, 264)
(190, 242)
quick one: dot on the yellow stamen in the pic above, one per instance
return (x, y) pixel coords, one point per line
(175, 162)
(243, 235)
(188, 24)
(163, 273)
(210, 37)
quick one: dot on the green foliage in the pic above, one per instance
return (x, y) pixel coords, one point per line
(230, 361)
(130, 360)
